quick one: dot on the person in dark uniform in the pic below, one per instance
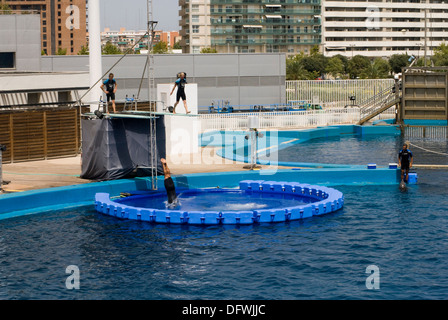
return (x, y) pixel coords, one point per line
(405, 160)
(169, 184)
(111, 88)
(180, 84)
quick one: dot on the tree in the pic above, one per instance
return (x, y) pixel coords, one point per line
(377, 69)
(5, 8)
(295, 69)
(209, 50)
(357, 65)
(440, 57)
(344, 60)
(84, 50)
(315, 64)
(109, 48)
(398, 61)
(61, 52)
(335, 66)
(177, 45)
(160, 47)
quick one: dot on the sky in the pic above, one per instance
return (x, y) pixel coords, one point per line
(131, 14)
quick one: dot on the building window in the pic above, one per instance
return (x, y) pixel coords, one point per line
(195, 18)
(7, 60)
(195, 29)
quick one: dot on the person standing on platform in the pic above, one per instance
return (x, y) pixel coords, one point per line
(180, 84)
(111, 88)
(405, 160)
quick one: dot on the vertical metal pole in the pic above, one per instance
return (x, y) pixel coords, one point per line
(2, 148)
(95, 64)
(426, 32)
(152, 120)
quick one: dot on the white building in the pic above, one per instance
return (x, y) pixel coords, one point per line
(381, 28)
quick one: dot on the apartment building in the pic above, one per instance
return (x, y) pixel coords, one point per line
(255, 26)
(63, 23)
(125, 39)
(381, 28)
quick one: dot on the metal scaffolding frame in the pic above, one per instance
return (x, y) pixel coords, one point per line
(151, 89)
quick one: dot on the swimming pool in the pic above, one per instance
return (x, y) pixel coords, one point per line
(325, 257)
(361, 150)
(403, 234)
(256, 201)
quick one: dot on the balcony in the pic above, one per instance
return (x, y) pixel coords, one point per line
(262, 2)
(283, 11)
(258, 31)
(270, 41)
(264, 21)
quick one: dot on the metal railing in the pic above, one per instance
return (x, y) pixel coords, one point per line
(376, 103)
(427, 132)
(285, 119)
(335, 93)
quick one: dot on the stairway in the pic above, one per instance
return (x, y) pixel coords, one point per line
(377, 104)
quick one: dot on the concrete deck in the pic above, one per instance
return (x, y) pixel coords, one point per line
(33, 175)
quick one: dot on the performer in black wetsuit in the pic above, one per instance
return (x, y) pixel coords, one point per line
(180, 84)
(405, 160)
(111, 88)
(169, 184)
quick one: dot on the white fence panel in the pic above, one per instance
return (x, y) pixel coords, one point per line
(285, 119)
(334, 93)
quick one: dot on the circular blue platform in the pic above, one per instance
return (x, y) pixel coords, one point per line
(256, 201)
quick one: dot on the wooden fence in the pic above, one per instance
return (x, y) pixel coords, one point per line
(40, 134)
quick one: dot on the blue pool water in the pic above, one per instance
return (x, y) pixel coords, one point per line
(403, 234)
(361, 150)
(217, 200)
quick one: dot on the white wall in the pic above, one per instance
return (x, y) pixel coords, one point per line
(164, 100)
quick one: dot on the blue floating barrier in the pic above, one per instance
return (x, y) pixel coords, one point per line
(256, 185)
(245, 184)
(323, 200)
(267, 186)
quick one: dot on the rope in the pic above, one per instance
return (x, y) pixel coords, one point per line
(441, 153)
(124, 55)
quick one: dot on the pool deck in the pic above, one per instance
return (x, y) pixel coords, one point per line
(33, 175)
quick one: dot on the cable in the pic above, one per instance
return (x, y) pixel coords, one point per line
(441, 153)
(124, 55)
